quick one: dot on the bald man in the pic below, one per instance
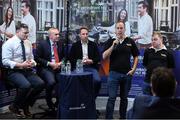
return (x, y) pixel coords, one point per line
(49, 55)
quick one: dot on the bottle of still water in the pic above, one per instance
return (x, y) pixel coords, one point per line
(79, 66)
(63, 67)
(68, 67)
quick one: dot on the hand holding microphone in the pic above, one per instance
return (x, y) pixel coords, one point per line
(115, 43)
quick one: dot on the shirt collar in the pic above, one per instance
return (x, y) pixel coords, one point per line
(84, 42)
(27, 14)
(122, 40)
(164, 47)
(18, 39)
(52, 43)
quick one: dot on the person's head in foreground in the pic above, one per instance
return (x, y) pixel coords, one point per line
(163, 82)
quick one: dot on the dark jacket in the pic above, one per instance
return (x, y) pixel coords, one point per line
(93, 53)
(149, 107)
(43, 52)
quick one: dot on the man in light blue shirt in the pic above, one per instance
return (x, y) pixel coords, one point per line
(145, 26)
(29, 20)
(17, 55)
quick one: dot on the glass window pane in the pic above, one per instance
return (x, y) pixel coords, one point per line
(51, 5)
(51, 16)
(46, 4)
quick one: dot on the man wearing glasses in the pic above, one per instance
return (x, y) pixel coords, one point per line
(17, 56)
(49, 55)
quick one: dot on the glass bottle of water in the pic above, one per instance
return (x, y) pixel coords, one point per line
(63, 67)
(68, 67)
(78, 66)
(81, 66)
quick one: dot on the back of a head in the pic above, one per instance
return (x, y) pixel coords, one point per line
(163, 82)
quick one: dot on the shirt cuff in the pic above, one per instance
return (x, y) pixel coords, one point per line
(48, 63)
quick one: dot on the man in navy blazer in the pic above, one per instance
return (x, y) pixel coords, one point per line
(162, 104)
(49, 61)
(88, 52)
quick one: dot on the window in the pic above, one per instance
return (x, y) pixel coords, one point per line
(45, 10)
(51, 12)
(1, 12)
(17, 10)
(60, 15)
(133, 9)
(165, 3)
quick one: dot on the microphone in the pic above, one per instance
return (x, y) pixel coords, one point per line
(115, 46)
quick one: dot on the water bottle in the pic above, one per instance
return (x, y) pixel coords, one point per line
(81, 66)
(78, 65)
(63, 67)
(68, 67)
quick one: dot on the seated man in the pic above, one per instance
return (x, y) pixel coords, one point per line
(88, 52)
(17, 55)
(49, 54)
(162, 104)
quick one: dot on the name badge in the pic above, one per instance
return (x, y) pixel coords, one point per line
(129, 45)
(164, 55)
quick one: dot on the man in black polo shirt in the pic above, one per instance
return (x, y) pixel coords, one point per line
(156, 56)
(119, 52)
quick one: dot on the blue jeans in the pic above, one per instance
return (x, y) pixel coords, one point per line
(96, 80)
(115, 80)
(29, 86)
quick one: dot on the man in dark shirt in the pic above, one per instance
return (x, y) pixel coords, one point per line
(88, 52)
(156, 56)
(162, 105)
(119, 52)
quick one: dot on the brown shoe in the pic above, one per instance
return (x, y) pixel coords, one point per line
(26, 111)
(15, 110)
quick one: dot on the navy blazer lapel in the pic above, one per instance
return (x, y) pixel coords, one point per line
(49, 48)
(80, 49)
(60, 49)
(89, 48)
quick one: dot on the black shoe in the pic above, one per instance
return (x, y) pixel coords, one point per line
(51, 109)
(56, 104)
(51, 106)
(16, 111)
(97, 113)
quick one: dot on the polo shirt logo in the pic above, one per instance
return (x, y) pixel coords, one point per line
(129, 45)
(164, 55)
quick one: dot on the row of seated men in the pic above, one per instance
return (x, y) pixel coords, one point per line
(17, 55)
